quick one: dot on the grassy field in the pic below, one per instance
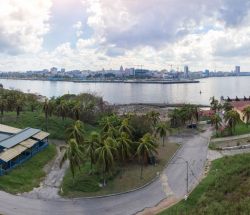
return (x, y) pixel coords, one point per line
(226, 190)
(56, 126)
(29, 174)
(88, 185)
(240, 129)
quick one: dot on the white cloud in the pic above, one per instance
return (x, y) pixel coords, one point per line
(23, 25)
(78, 27)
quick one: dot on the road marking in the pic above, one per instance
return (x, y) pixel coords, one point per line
(166, 188)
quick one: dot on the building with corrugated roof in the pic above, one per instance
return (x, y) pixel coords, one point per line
(18, 145)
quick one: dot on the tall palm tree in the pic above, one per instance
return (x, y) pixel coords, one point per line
(90, 147)
(76, 110)
(147, 147)
(62, 109)
(175, 117)
(76, 131)
(216, 121)
(105, 154)
(124, 147)
(232, 117)
(46, 112)
(246, 112)
(74, 154)
(162, 130)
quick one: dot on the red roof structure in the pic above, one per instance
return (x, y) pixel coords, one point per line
(240, 105)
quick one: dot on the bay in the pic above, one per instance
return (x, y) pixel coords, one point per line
(125, 93)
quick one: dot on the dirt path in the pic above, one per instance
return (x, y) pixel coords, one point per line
(50, 186)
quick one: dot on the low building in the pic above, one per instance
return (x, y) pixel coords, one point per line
(18, 145)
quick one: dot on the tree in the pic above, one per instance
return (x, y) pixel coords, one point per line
(124, 147)
(147, 147)
(154, 117)
(216, 121)
(76, 131)
(227, 106)
(62, 109)
(3, 104)
(105, 154)
(246, 112)
(76, 110)
(19, 105)
(232, 117)
(162, 129)
(74, 154)
(214, 104)
(90, 147)
(125, 126)
(46, 112)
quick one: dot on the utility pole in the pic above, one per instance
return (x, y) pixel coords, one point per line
(187, 176)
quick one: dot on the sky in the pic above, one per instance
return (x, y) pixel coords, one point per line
(96, 34)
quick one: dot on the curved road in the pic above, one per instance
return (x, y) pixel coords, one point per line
(171, 183)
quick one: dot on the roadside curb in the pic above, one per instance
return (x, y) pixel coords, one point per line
(133, 190)
(236, 147)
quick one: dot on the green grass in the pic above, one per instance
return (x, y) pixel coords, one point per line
(88, 185)
(56, 126)
(240, 129)
(226, 190)
(29, 174)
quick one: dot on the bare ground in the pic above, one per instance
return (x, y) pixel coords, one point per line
(50, 186)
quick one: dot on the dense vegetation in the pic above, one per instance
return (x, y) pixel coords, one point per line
(120, 141)
(224, 191)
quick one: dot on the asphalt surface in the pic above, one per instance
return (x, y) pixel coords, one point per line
(172, 182)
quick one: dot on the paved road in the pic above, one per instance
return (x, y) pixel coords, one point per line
(172, 182)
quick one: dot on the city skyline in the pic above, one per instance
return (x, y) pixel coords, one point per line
(84, 34)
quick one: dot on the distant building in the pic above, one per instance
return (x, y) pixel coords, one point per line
(53, 70)
(186, 72)
(237, 70)
(63, 70)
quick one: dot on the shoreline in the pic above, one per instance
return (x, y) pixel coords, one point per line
(159, 105)
(110, 81)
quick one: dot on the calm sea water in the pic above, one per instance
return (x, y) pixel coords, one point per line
(120, 93)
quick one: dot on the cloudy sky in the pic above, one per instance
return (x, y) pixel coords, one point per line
(95, 34)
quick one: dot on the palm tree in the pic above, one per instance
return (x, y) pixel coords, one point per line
(232, 117)
(154, 117)
(227, 106)
(62, 109)
(46, 112)
(3, 104)
(105, 154)
(19, 105)
(125, 127)
(246, 112)
(76, 110)
(124, 146)
(147, 147)
(74, 154)
(90, 147)
(214, 103)
(162, 129)
(216, 121)
(76, 131)
(175, 117)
